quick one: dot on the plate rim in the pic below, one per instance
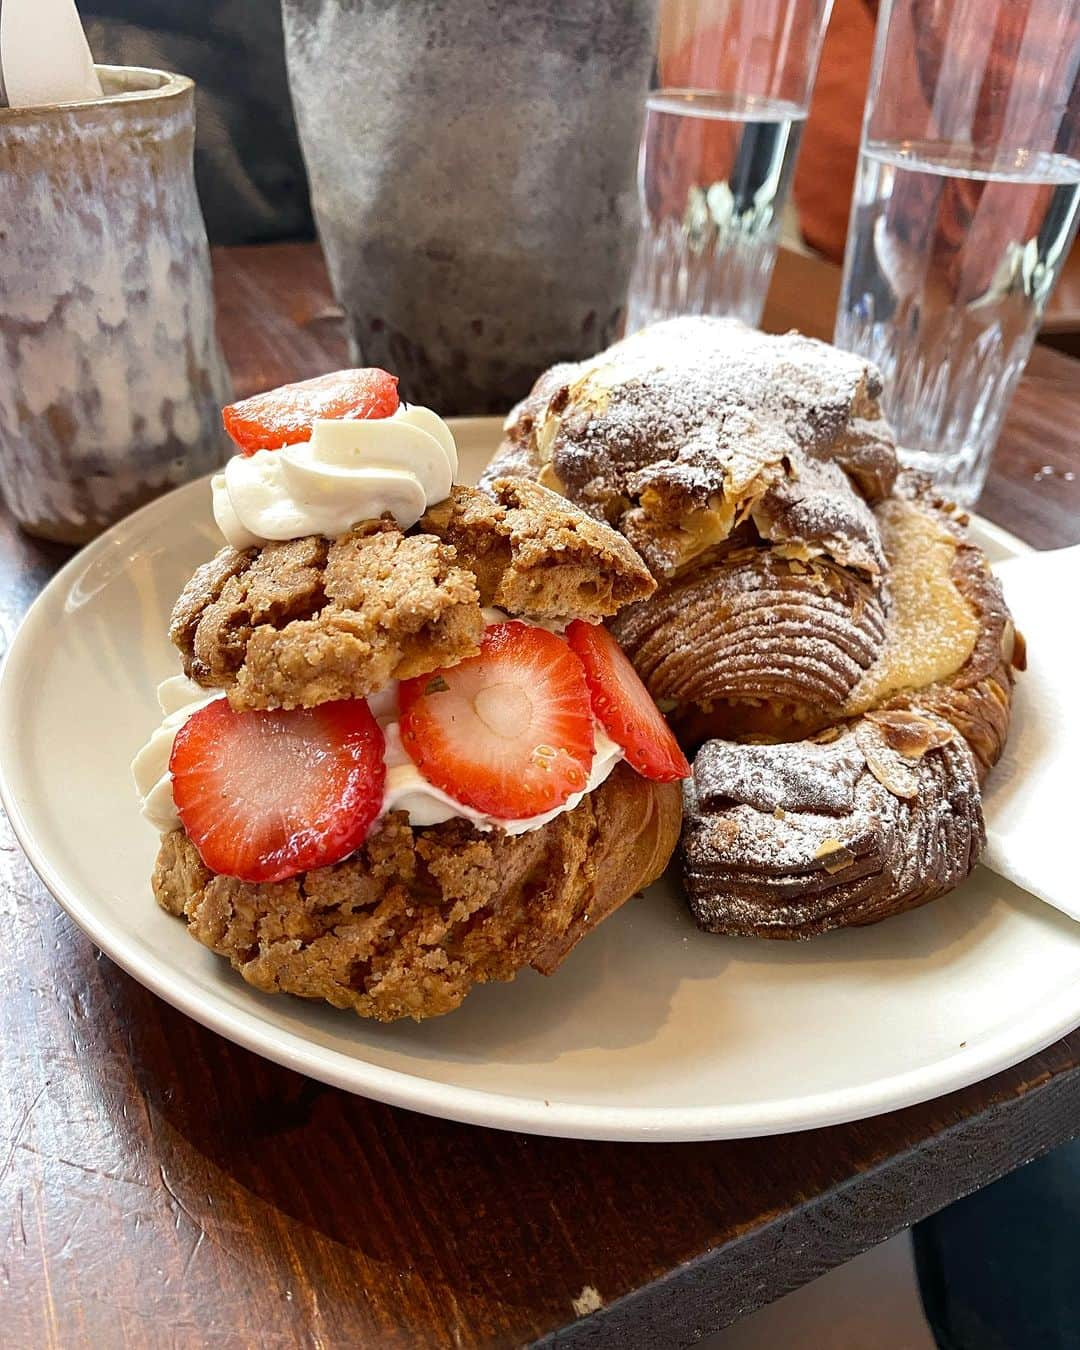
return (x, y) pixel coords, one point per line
(469, 1105)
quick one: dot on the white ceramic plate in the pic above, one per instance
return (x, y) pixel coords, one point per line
(651, 1030)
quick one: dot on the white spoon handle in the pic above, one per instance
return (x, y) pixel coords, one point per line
(44, 56)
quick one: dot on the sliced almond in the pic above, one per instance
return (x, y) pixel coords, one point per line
(836, 856)
(911, 734)
(836, 862)
(547, 477)
(546, 434)
(891, 769)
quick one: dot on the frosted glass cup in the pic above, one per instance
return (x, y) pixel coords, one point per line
(111, 380)
(965, 208)
(472, 177)
(718, 152)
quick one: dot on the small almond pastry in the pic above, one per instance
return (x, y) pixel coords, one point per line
(823, 627)
(405, 757)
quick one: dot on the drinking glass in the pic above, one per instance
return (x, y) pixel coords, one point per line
(718, 152)
(965, 207)
(472, 176)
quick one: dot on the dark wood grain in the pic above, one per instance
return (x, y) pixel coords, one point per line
(162, 1187)
(1063, 311)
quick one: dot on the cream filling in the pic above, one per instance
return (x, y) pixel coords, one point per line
(932, 629)
(178, 698)
(406, 789)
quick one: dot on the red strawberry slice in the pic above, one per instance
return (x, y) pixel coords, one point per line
(508, 732)
(287, 415)
(625, 707)
(265, 795)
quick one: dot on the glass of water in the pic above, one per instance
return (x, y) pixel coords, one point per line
(718, 151)
(966, 205)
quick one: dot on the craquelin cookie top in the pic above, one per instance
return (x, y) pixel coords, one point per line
(306, 621)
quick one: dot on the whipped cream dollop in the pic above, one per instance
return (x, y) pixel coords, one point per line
(350, 470)
(406, 788)
(178, 698)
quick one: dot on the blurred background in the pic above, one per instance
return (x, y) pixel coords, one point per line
(248, 166)
(250, 172)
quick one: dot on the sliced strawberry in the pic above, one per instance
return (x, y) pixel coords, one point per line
(625, 707)
(508, 732)
(287, 415)
(264, 795)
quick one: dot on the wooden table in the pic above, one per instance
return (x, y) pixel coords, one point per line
(1062, 317)
(161, 1187)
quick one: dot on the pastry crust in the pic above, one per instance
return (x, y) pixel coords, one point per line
(533, 553)
(417, 917)
(675, 434)
(299, 623)
(753, 643)
(750, 642)
(788, 841)
(792, 859)
(806, 590)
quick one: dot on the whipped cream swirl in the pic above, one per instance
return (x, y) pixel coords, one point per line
(350, 470)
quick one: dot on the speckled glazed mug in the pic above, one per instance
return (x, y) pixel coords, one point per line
(472, 170)
(111, 379)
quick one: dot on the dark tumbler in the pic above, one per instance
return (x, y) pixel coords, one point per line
(472, 167)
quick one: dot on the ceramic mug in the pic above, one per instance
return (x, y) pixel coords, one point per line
(111, 379)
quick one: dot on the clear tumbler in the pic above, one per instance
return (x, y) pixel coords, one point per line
(965, 207)
(718, 152)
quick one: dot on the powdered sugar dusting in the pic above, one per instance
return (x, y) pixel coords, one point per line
(804, 837)
(800, 776)
(693, 408)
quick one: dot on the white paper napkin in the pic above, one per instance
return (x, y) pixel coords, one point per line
(1032, 798)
